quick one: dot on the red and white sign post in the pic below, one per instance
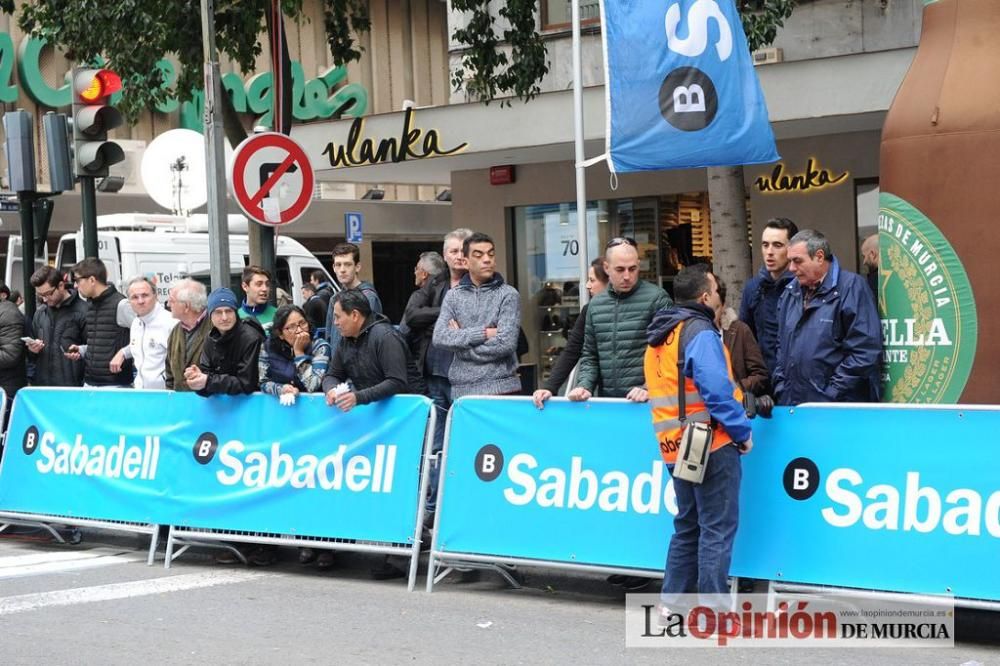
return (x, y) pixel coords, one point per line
(272, 179)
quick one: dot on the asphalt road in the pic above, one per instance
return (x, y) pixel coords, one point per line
(99, 603)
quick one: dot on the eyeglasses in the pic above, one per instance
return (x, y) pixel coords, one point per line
(301, 326)
(620, 240)
(47, 294)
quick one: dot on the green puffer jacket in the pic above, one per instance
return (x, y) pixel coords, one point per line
(614, 342)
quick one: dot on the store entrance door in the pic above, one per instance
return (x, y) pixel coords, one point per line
(393, 263)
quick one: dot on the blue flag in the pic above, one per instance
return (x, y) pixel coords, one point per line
(681, 87)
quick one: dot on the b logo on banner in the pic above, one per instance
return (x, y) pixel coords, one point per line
(801, 479)
(489, 462)
(30, 443)
(688, 98)
(205, 447)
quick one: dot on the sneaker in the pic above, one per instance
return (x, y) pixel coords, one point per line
(307, 555)
(263, 556)
(325, 560)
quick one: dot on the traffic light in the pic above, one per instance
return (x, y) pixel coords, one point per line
(19, 145)
(93, 116)
(57, 148)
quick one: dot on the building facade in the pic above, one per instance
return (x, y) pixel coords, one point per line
(828, 79)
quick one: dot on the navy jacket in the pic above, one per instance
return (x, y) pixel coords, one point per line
(828, 351)
(759, 311)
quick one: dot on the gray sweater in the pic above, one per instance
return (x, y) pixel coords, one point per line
(482, 366)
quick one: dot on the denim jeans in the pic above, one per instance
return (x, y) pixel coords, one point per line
(438, 390)
(704, 529)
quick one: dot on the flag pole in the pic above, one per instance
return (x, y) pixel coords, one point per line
(215, 160)
(581, 182)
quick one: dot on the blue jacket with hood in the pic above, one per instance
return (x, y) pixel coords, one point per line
(704, 363)
(828, 349)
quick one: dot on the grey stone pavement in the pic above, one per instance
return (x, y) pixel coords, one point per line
(98, 603)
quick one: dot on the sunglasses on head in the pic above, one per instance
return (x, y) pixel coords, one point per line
(621, 240)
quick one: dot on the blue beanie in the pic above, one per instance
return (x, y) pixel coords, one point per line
(222, 298)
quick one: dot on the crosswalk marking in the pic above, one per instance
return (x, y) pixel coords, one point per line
(82, 595)
(35, 565)
(53, 556)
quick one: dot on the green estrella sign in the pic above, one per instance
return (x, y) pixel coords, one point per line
(322, 97)
(929, 323)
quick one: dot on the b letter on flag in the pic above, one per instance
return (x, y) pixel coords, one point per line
(681, 88)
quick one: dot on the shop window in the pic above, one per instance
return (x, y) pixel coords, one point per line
(638, 220)
(670, 232)
(547, 251)
(685, 234)
(558, 14)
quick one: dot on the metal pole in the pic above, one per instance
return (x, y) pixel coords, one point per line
(581, 179)
(269, 261)
(218, 222)
(281, 122)
(88, 205)
(27, 205)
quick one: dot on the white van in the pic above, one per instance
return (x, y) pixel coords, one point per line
(166, 248)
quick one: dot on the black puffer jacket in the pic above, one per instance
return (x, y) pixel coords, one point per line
(377, 362)
(104, 338)
(59, 328)
(12, 352)
(230, 359)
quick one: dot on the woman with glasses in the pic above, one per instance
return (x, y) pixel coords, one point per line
(290, 360)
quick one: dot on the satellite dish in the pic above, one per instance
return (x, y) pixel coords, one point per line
(173, 170)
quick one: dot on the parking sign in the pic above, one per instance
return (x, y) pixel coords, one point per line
(352, 227)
